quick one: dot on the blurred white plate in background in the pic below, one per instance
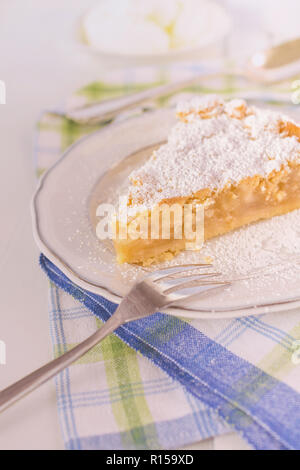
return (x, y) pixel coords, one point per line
(153, 29)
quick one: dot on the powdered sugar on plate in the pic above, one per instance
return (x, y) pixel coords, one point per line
(264, 248)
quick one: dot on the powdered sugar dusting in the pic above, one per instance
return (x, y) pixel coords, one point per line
(269, 246)
(213, 144)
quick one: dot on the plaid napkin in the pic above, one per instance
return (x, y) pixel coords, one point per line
(162, 382)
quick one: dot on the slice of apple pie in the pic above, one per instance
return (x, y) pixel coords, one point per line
(239, 163)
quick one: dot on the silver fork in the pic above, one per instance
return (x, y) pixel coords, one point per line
(159, 289)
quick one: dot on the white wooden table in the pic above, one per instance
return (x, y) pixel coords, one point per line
(40, 62)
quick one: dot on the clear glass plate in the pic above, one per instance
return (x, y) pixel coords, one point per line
(94, 170)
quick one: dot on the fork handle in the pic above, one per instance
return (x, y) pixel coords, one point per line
(30, 382)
